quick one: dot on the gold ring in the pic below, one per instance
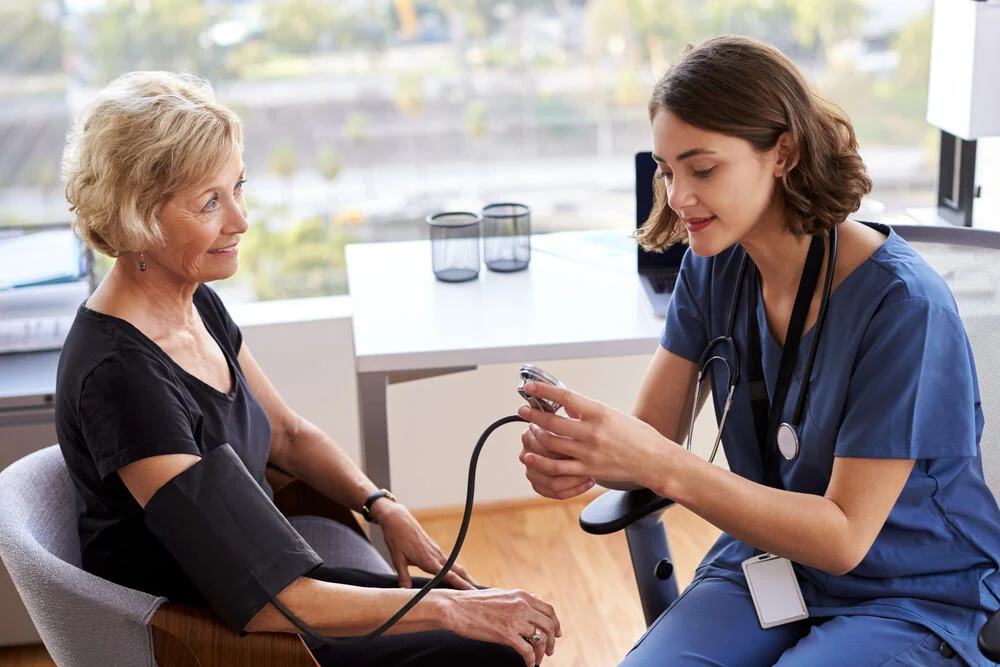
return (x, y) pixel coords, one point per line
(537, 637)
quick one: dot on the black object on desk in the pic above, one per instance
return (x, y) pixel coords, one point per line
(657, 270)
(506, 237)
(455, 245)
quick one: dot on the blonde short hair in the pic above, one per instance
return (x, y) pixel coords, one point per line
(146, 136)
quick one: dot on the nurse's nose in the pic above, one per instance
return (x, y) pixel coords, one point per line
(680, 194)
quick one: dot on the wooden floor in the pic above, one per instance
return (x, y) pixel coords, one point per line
(538, 546)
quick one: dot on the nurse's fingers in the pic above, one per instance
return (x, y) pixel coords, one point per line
(571, 428)
(530, 443)
(556, 466)
(577, 403)
(557, 446)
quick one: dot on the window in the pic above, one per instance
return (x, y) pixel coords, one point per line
(363, 117)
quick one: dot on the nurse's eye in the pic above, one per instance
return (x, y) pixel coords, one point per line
(665, 175)
(703, 173)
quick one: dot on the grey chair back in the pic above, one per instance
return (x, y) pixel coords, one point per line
(969, 261)
(83, 620)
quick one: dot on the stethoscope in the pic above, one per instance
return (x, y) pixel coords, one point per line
(787, 433)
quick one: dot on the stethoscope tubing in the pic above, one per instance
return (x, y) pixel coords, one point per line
(708, 357)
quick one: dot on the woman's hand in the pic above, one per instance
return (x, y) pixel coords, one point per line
(559, 487)
(513, 618)
(409, 544)
(594, 441)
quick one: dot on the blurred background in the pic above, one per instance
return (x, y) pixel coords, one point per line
(364, 116)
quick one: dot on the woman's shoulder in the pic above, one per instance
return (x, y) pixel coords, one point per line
(208, 302)
(99, 341)
(217, 319)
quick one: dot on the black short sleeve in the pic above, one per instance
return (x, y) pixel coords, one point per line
(217, 319)
(131, 409)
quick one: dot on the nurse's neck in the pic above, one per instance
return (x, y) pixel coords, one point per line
(779, 255)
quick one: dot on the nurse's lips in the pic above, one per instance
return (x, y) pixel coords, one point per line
(697, 224)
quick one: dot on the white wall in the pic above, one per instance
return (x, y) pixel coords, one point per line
(306, 349)
(987, 207)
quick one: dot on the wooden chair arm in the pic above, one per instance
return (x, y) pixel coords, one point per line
(293, 497)
(191, 637)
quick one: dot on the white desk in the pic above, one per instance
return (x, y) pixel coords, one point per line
(580, 297)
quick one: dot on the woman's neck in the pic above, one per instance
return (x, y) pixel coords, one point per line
(779, 255)
(151, 300)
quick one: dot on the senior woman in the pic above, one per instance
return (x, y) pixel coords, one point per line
(154, 376)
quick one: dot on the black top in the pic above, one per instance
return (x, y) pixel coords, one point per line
(119, 399)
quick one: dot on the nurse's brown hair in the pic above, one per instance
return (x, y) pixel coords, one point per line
(744, 88)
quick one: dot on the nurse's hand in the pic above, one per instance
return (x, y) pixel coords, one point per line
(593, 441)
(559, 487)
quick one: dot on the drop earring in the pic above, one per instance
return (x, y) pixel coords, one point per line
(142, 262)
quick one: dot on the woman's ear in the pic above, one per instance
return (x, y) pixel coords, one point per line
(787, 156)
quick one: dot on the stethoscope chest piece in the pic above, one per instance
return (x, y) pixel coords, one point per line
(788, 441)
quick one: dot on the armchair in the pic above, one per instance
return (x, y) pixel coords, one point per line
(85, 620)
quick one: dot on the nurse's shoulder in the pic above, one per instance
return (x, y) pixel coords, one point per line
(911, 277)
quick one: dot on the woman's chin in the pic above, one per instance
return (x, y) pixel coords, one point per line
(219, 272)
(705, 245)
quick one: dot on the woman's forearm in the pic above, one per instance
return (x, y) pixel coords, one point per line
(802, 527)
(339, 610)
(316, 459)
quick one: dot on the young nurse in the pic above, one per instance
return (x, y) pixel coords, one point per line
(853, 431)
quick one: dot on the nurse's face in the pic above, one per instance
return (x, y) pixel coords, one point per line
(722, 188)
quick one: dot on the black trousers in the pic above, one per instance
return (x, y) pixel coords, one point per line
(435, 648)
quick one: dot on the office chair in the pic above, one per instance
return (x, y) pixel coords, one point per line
(969, 261)
(85, 620)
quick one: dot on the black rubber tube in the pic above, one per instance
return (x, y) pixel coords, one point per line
(470, 495)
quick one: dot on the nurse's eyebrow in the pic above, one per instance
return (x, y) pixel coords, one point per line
(686, 154)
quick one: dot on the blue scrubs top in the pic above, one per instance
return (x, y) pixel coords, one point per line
(893, 377)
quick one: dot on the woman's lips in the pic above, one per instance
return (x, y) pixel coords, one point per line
(228, 250)
(697, 224)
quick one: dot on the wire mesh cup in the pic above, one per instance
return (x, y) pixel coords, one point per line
(506, 236)
(455, 245)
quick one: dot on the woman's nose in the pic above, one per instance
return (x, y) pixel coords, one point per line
(679, 195)
(237, 222)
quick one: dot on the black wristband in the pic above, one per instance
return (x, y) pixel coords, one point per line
(366, 509)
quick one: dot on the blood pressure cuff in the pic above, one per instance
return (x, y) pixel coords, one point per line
(228, 537)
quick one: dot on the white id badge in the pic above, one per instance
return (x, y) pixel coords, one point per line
(774, 589)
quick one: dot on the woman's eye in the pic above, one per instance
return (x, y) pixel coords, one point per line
(665, 175)
(702, 173)
(212, 204)
(239, 186)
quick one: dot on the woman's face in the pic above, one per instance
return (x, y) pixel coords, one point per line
(202, 225)
(721, 186)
